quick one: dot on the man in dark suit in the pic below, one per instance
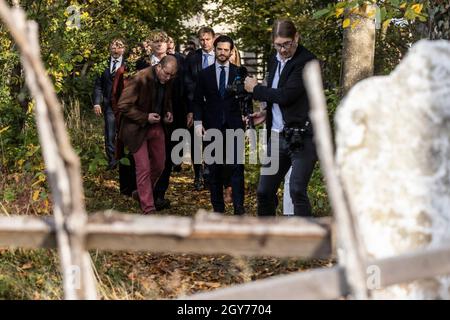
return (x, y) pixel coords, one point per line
(287, 121)
(102, 96)
(146, 106)
(196, 62)
(215, 108)
(179, 121)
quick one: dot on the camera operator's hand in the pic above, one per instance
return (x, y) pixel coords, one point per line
(258, 117)
(153, 118)
(250, 83)
(189, 120)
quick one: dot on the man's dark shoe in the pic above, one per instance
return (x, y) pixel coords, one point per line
(161, 204)
(239, 211)
(135, 196)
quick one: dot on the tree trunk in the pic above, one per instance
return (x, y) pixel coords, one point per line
(358, 51)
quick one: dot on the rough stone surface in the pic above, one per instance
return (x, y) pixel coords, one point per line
(393, 154)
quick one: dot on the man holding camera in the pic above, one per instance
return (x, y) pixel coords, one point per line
(287, 120)
(217, 108)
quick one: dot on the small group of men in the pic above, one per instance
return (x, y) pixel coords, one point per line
(172, 89)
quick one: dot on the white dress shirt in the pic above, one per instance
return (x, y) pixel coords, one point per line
(227, 72)
(277, 116)
(154, 60)
(118, 64)
(211, 57)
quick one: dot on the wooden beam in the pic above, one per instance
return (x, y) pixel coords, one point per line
(205, 234)
(324, 283)
(413, 266)
(27, 232)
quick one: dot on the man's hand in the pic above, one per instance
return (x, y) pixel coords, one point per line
(153, 118)
(199, 130)
(258, 117)
(250, 83)
(189, 120)
(168, 118)
(97, 109)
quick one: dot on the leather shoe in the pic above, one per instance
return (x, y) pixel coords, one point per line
(161, 204)
(239, 211)
(135, 196)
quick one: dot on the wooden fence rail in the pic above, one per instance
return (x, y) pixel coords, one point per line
(206, 233)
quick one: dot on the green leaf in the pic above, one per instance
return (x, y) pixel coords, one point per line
(395, 3)
(92, 167)
(125, 161)
(321, 13)
(9, 195)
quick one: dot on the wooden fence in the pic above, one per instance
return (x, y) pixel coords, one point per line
(73, 232)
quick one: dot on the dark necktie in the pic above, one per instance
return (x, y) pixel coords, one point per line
(113, 72)
(222, 90)
(222, 82)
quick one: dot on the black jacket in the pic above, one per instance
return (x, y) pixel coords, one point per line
(179, 94)
(209, 106)
(193, 67)
(103, 86)
(291, 94)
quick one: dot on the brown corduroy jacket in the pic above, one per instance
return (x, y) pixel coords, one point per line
(135, 104)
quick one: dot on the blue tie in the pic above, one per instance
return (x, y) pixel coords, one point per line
(205, 61)
(222, 82)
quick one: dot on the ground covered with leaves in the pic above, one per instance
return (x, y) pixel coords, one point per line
(34, 274)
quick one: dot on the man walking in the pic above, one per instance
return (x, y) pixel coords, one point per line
(195, 63)
(146, 106)
(215, 108)
(102, 96)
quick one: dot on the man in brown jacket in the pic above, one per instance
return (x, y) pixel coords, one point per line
(145, 105)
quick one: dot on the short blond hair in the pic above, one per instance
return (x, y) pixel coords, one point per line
(158, 36)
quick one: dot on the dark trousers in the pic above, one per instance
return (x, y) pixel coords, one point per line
(302, 162)
(220, 174)
(110, 134)
(217, 183)
(127, 176)
(198, 172)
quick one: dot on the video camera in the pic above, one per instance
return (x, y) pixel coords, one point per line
(244, 98)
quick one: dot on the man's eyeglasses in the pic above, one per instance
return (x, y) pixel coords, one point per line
(287, 45)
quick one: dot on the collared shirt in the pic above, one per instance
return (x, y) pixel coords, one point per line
(277, 116)
(210, 56)
(154, 60)
(227, 72)
(118, 64)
